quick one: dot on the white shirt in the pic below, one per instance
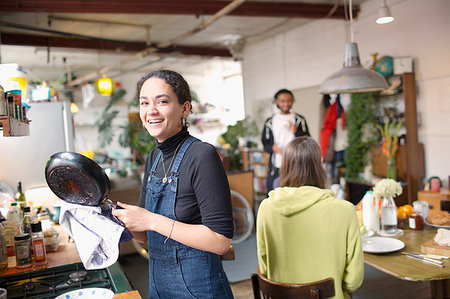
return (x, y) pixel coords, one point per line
(282, 133)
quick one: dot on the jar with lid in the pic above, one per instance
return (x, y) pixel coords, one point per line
(3, 252)
(40, 255)
(416, 221)
(23, 250)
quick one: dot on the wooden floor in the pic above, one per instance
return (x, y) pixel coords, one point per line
(376, 285)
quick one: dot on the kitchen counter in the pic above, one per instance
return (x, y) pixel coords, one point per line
(66, 254)
(62, 264)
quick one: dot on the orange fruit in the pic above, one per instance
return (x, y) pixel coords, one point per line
(401, 213)
(409, 209)
(406, 209)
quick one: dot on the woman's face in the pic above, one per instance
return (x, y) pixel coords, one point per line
(161, 113)
(284, 102)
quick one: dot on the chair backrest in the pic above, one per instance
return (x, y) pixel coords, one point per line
(277, 290)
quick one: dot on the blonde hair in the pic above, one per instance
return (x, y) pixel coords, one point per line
(302, 164)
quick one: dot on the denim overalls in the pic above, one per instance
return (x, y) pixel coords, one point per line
(176, 270)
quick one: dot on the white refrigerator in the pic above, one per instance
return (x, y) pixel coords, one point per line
(24, 158)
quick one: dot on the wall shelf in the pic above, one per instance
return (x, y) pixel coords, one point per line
(13, 127)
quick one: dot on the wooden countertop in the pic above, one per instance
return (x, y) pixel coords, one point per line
(66, 254)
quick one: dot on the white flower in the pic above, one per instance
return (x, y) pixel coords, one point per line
(387, 187)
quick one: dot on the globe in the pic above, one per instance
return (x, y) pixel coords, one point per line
(385, 66)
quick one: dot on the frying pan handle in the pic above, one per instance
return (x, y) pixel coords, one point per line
(109, 201)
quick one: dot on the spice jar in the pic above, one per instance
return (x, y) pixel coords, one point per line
(40, 255)
(23, 250)
(416, 221)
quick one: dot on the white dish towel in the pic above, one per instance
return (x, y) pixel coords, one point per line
(96, 236)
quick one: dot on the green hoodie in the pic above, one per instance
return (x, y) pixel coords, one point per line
(305, 234)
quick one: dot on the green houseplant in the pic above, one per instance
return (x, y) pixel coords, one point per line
(131, 134)
(245, 129)
(361, 118)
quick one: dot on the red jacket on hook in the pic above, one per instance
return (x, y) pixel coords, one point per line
(329, 124)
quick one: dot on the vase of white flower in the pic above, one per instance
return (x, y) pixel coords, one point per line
(387, 189)
(388, 215)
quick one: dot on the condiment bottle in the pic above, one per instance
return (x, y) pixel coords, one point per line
(416, 221)
(3, 252)
(40, 256)
(14, 217)
(23, 250)
(26, 220)
(9, 232)
(2, 101)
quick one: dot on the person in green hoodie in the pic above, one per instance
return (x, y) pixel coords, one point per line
(304, 233)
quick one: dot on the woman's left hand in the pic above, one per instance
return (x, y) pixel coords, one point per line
(133, 217)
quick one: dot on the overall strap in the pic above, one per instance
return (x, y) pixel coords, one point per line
(155, 164)
(180, 155)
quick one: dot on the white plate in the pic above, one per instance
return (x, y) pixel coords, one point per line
(93, 293)
(436, 226)
(399, 232)
(381, 245)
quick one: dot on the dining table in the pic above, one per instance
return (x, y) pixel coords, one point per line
(399, 265)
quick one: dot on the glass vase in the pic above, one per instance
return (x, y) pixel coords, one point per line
(391, 172)
(388, 215)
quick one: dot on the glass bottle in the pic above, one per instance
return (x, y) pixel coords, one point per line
(26, 220)
(26, 223)
(20, 196)
(14, 216)
(3, 252)
(388, 215)
(40, 255)
(2, 101)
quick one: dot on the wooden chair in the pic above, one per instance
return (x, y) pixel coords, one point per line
(277, 290)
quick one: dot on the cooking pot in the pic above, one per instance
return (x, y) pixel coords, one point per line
(77, 179)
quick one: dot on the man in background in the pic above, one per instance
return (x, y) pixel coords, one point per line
(279, 129)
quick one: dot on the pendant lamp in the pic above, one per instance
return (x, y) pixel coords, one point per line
(353, 78)
(384, 14)
(105, 86)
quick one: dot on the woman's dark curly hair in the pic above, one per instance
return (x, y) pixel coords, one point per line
(179, 86)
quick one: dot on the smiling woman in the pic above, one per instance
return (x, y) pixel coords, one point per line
(184, 210)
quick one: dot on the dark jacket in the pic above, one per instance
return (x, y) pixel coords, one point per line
(267, 137)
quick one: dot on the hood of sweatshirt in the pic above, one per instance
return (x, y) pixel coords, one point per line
(290, 200)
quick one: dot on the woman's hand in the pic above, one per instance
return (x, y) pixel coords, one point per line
(134, 218)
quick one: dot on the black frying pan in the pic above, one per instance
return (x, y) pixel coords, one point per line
(77, 179)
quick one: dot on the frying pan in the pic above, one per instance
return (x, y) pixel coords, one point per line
(77, 179)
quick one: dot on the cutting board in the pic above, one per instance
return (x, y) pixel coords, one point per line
(128, 295)
(432, 247)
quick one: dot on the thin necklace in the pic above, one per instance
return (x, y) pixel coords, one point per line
(170, 164)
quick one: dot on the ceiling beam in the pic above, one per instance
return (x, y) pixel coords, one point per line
(15, 39)
(179, 7)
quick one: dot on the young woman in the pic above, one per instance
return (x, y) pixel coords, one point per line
(304, 233)
(184, 211)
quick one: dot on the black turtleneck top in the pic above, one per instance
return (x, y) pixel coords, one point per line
(203, 195)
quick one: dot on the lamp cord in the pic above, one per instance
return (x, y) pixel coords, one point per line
(350, 8)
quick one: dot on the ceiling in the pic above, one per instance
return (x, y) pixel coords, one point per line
(49, 37)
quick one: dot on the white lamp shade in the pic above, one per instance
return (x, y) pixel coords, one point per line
(384, 14)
